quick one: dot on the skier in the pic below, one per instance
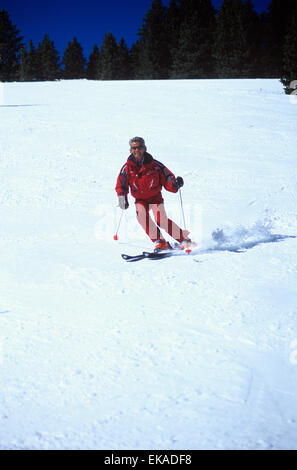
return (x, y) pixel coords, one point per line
(145, 177)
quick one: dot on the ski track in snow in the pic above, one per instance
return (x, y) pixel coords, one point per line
(97, 353)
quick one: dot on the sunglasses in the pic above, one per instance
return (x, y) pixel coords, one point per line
(137, 147)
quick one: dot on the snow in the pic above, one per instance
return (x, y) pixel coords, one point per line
(189, 352)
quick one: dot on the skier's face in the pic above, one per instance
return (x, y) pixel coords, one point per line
(137, 150)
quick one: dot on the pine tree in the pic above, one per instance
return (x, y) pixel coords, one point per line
(10, 48)
(23, 76)
(29, 64)
(275, 23)
(94, 64)
(290, 53)
(153, 44)
(109, 58)
(135, 59)
(193, 55)
(234, 45)
(173, 24)
(74, 61)
(253, 31)
(124, 63)
(49, 67)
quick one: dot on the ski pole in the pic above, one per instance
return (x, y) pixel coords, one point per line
(182, 208)
(187, 250)
(116, 237)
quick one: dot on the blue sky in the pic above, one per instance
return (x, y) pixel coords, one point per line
(88, 20)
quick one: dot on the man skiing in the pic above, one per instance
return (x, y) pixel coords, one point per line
(145, 177)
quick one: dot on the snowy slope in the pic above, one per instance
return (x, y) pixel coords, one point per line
(194, 352)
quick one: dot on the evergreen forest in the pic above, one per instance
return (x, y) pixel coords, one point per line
(188, 39)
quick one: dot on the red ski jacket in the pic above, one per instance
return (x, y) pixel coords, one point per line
(145, 182)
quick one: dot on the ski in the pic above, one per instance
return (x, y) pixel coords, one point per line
(157, 255)
(146, 255)
(132, 258)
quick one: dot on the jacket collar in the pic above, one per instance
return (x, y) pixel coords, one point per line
(147, 158)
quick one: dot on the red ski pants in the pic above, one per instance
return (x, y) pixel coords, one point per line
(162, 222)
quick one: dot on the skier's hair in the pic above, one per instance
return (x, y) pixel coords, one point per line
(137, 139)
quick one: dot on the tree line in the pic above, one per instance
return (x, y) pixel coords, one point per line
(186, 39)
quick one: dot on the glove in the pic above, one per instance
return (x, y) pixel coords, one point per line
(178, 182)
(123, 202)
